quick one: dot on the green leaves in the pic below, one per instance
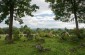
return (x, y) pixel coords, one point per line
(64, 8)
(21, 8)
(52, 1)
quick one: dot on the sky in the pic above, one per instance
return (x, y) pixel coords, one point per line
(43, 18)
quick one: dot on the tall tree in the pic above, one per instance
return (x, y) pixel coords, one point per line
(13, 10)
(64, 8)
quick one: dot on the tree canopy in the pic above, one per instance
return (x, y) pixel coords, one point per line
(20, 9)
(64, 8)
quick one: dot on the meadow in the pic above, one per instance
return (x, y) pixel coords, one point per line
(44, 42)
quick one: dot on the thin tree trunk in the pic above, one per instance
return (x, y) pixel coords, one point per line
(77, 26)
(76, 19)
(10, 24)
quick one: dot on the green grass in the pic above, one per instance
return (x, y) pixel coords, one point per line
(28, 48)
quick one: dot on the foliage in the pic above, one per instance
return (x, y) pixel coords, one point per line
(64, 8)
(16, 34)
(70, 44)
(14, 10)
(61, 34)
(20, 9)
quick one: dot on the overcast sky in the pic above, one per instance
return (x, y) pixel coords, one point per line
(43, 18)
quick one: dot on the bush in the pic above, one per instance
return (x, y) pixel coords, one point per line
(29, 37)
(73, 38)
(47, 35)
(40, 40)
(16, 35)
(64, 36)
(68, 37)
(82, 34)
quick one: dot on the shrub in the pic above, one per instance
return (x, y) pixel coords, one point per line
(40, 40)
(16, 35)
(64, 36)
(29, 36)
(73, 38)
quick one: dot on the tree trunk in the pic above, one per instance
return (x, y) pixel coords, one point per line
(77, 27)
(10, 24)
(76, 19)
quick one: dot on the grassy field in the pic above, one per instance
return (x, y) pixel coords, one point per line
(55, 47)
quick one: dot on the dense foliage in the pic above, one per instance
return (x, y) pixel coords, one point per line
(64, 8)
(20, 9)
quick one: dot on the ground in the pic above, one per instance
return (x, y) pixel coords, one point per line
(55, 47)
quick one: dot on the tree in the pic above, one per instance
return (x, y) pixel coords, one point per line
(64, 8)
(13, 10)
(27, 30)
(16, 33)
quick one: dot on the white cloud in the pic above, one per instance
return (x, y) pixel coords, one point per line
(44, 21)
(3, 25)
(48, 22)
(43, 6)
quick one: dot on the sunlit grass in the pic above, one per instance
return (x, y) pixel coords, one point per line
(28, 48)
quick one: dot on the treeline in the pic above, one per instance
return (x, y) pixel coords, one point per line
(26, 31)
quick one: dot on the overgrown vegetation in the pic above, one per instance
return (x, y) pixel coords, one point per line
(26, 41)
(43, 41)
